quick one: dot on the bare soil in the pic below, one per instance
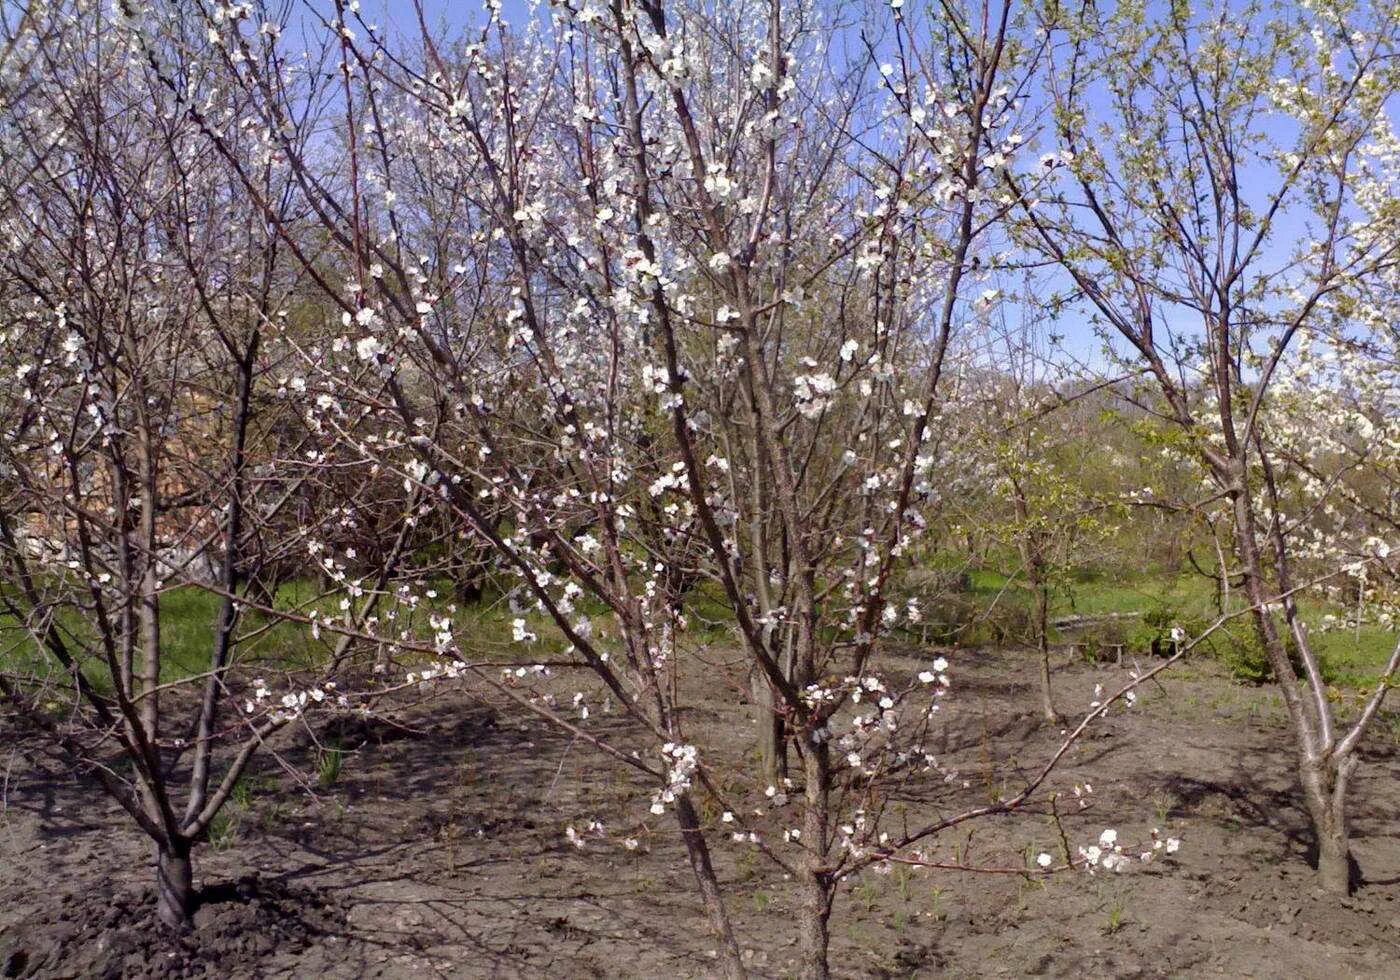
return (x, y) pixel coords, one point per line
(439, 850)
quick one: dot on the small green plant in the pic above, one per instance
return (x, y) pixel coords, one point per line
(746, 864)
(866, 893)
(273, 814)
(1026, 888)
(710, 811)
(903, 874)
(1162, 804)
(1114, 922)
(761, 901)
(935, 904)
(1089, 652)
(223, 829)
(329, 763)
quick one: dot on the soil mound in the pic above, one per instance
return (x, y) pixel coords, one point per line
(115, 933)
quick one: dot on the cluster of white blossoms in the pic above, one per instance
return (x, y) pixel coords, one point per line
(681, 761)
(1110, 855)
(938, 671)
(868, 737)
(449, 670)
(1334, 421)
(293, 703)
(594, 828)
(812, 393)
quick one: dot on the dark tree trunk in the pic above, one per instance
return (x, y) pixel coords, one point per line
(174, 884)
(1042, 643)
(699, 853)
(817, 884)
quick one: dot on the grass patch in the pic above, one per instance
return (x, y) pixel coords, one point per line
(188, 619)
(1349, 657)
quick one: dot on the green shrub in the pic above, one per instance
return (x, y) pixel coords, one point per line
(1242, 654)
(1240, 650)
(1153, 631)
(1100, 642)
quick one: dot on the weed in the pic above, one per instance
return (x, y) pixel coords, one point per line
(223, 829)
(746, 864)
(935, 904)
(903, 874)
(1026, 888)
(1114, 922)
(274, 814)
(329, 763)
(1162, 804)
(866, 893)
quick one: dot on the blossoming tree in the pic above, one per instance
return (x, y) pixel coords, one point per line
(1224, 200)
(142, 299)
(657, 300)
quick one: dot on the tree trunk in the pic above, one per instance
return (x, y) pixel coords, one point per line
(710, 894)
(772, 758)
(817, 886)
(813, 939)
(1047, 702)
(174, 884)
(1324, 780)
(1042, 642)
(1334, 861)
(1325, 792)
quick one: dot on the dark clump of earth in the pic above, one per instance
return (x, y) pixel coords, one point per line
(114, 932)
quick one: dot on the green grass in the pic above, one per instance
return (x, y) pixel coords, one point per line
(188, 615)
(1354, 658)
(1102, 593)
(330, 761)
(1351, 658)
(1190, 595)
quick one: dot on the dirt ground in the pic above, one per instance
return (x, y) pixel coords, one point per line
(440, 851)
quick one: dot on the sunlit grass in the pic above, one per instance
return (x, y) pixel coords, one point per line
(1351, 656)
(188, 622)
(483, 629)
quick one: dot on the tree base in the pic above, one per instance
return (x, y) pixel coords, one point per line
(175, 887)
